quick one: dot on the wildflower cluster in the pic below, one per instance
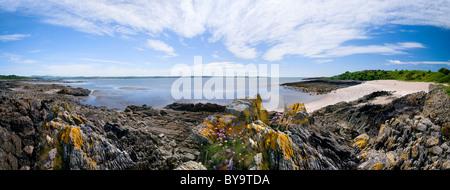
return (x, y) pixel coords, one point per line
(278, 116)
(230, 146)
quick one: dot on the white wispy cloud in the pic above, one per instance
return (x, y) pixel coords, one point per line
(387, 49)
(159, 45)
(13, 37)
(291, 27)
(18, 58)
(319, 61)
(398, 62)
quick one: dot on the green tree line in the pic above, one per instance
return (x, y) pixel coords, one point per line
(442, 76)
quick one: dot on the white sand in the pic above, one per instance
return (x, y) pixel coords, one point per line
(352, 93)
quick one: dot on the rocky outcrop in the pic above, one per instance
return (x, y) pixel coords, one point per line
(78, 146)
(418, 142)
(41, 130)
(248, 109)
(320, 85)
(349, 119)
(74, 91)
(292, 144)
(198, 107)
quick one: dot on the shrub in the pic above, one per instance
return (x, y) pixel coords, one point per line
(444, 70)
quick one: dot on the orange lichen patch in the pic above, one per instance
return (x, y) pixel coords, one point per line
(72, 135)
(278, 141)
(405, 154)
(300, 121)
(285, 145)
(392, 158)
(291, 110)
(361, 141)
(260, 111)
(91, 162)
(295, 114)
(271, 140)
(55, 125)
(207, 131)
(364, 155)
(295, 108)
(66, 107)
(376, 166)
(55, 110)
(77, 120)
(381, 129)
(255, 128)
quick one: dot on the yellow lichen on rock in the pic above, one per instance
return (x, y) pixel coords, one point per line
(361, 141)
(295, 114)
(285, 145)
(270, 139)
(376, 166)
(72, 134)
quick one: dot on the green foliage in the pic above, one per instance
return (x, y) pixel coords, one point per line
(444, 70)
(442, 76)
(414, 75)
(13, 77)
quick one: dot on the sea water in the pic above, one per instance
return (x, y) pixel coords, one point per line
(156, 91)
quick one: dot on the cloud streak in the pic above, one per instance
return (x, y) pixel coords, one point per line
(248, 29)
(13, 37)
(398, 62)
(18, 58)
(159, 45)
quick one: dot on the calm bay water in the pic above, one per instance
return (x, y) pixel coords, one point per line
(156, 92)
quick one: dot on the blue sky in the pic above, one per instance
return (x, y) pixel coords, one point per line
(148, 38)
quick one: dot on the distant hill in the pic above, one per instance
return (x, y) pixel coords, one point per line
(13, 77)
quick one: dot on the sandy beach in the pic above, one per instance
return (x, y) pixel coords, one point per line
(352, 93)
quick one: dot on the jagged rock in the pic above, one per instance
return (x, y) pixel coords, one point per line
(290, 147)
(248, 109)
(404, 143)
(436, 150)
(257, 162)
(198, 107)
(420, 127)
(349, 119)
(74, 91)
(361, 141)
(49, 163)
(191, 165)
(118, 130)
(320, 85)
(28, 149)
